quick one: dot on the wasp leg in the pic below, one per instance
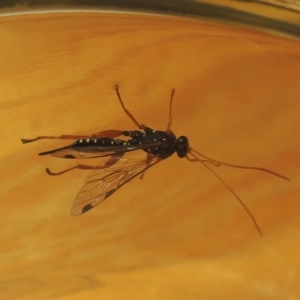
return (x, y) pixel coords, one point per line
(170, 112)
(128, 113)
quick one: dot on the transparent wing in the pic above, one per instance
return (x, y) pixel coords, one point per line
(90, 152)
(107, 178)
(95, 151)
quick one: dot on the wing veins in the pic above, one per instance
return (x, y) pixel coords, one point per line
(94, 151)
(99, 186)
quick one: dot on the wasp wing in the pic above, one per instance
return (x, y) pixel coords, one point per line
(108, 178)
(95, 151)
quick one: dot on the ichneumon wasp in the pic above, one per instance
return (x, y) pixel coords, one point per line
(125, 159)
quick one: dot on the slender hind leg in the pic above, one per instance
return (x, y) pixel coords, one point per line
(62, 137)
(101, 134)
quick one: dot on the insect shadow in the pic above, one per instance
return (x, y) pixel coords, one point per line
(121, 160)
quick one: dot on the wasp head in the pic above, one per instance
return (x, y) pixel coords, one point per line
(182, 146)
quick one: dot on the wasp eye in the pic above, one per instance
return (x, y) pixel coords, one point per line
(182, 146)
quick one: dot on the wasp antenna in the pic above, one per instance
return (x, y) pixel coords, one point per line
(191, 151)
(236, 196)
(227, 186)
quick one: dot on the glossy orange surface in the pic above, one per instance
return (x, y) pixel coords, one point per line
(178, 233)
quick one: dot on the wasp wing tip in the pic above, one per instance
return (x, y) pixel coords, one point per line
(75, 212)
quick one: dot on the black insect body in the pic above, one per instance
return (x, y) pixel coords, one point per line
(123, 159)
(158, 143)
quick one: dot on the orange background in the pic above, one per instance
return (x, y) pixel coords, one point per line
(178, 233)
